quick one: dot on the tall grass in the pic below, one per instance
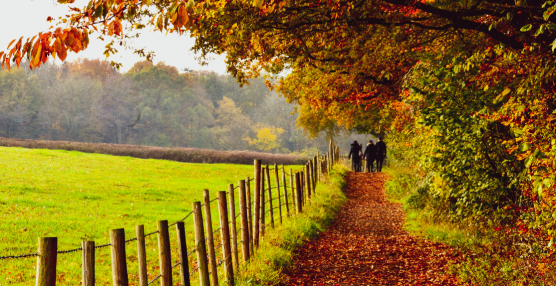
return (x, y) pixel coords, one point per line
(275, 252)
(188, 155)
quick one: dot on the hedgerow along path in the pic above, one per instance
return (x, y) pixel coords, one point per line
(49, 249)
(367, 245)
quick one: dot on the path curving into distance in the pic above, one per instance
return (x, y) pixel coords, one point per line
(367, 245)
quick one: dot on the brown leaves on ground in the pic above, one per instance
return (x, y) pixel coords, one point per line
(367, 245)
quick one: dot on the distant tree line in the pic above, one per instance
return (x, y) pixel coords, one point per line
(154, 105)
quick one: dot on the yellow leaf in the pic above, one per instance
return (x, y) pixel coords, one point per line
(37, 57)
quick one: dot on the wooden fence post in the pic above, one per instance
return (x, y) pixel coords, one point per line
(182, 252)
(200, 246)
(46, 261)
(257, 205)
(244, 221)
(285, 190)
(263, 204)
(88, 263)
(225, 236)
(210, 238)
(292, 187)
(318, 161)
(307, 183)
(314, 173)
(271, 209)
(141, 255)
(164, 257)
(299, 208)
(302, 187)
(232, 204)
(278, 191)
(249, 216)
(119, 264)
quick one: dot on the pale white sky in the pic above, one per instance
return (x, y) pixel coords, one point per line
(28, 17)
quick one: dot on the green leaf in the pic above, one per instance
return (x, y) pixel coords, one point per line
(540, 30)
(524, 147)
(526, 28)
(529, 161)
(539, 154)
(554, 45)
(551, 26)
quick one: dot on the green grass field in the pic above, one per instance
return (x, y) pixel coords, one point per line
(78, 196)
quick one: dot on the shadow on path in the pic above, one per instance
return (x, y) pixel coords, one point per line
(367, 245)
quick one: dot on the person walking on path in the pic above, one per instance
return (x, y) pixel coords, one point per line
(360, 157)
(380, 154)
(354, 151)
(370, 156)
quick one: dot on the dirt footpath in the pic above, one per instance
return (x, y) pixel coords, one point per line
(367, 245)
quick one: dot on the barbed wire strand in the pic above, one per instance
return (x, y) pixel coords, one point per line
(19, 256)
(151, 233)
(69, 251)
(103, 245)
(194, 271)
(156, 278)
(131, 239)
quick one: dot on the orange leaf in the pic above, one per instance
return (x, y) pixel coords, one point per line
(37, 57)
(10, 44)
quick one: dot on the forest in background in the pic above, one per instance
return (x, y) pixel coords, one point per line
(152, 105)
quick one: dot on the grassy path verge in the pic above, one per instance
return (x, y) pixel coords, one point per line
(367, 245)
(276, 251)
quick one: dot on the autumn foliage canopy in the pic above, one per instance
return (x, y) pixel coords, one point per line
(467, 86)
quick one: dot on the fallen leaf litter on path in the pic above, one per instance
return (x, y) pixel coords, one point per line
(367, 245)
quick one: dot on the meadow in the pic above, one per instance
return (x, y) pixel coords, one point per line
(80, 196)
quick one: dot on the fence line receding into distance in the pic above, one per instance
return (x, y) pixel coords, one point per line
(239, 232)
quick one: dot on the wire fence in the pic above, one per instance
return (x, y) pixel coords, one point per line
(282, 195)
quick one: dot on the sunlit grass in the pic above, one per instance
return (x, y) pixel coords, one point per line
(79, 196)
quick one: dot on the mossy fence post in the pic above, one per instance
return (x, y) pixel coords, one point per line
(270, 208)
(292, 187)
(257, 205)
(250, 216)
(119, 264)
(200, 247)
(263, 203)
(141, 255)
(232, 207)
(302, 187)
(164, 257)
(244, 214)
(277, 177)
(225, 236)
(46, 261)
(88, 263)
(308, 182)
(210, 238)
(285, 191)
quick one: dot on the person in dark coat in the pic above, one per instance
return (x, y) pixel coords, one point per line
(360, 157)
(380, 154)
(370, 156)
(354, 151)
